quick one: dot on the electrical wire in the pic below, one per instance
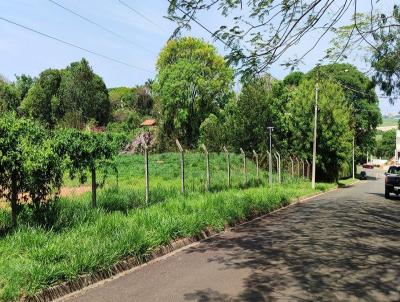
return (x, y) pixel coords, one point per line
(141, 15)
(100, 26)
(75, 45)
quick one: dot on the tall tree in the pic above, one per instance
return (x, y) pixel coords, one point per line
(259, 105)
(192, 82)
(22, 85)
(9, 99)
(41, 101)
(387, 146)
(334, 135)
(81, 90)
(359, 92)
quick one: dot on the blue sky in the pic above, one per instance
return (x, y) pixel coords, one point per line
(22, 51)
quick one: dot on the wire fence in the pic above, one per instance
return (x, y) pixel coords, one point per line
(188, 171)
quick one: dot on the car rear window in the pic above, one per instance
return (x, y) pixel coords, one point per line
(394, 170)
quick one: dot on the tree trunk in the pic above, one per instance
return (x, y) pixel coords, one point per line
(94, 188)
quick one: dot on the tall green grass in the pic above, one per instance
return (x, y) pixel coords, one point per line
(83, 240)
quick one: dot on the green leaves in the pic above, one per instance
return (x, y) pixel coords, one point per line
(83, 151)
(192, 82)
(29, 167)
(334, 132)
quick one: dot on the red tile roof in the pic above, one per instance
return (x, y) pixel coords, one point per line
(149, 122)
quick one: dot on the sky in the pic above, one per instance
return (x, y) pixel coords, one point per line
(136, 39)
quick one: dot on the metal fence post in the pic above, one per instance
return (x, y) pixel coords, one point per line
(228, 160)
(244, 165)
(291, 161)
(279, 167)
(256, 157)
(302, 163)
(270, 168)
(308, 169)
(207, 166)
(182, 166)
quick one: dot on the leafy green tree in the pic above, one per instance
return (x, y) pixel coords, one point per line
(360, 95)
(334, 132)
(193, 81)
(137, 98)
(260, 104)
(81, 90)
(9, 100)
(29, 167)
(37, 106)
(258, 33)
(211, 133)
(387, 145)
(87, 152)
(41, 101)
(22, 85)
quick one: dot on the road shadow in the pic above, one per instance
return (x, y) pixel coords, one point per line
(318, 251)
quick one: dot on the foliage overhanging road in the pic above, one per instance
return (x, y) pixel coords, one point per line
(342, 246)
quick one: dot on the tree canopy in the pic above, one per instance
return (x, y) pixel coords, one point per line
(29, 167)
(258, 33)
(359, 92)
(192, 82)
(69, 96)
(334, 132)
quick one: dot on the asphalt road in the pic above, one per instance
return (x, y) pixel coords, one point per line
(342, 246)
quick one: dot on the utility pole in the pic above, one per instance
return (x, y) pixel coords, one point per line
(314, 159)
(270, 155)
(353, 155)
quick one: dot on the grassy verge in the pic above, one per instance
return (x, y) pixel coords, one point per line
(77, 239)
(347, 182)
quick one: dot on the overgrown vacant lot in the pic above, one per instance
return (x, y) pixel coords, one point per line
(77, 239)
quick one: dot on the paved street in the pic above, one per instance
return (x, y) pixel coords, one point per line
(342, 246)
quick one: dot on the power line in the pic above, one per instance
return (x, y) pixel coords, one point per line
(74, 45)
(100, 26)
(141, 15)
(203, 27)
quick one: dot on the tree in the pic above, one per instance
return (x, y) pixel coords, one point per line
(22, 85)
(258, 106)
(37, 106)
(334, 136)
(376, 36)
(41, 101)
(259, 34)
(211, 133)
(137, 98)
(29, 167)
(193, 81)
(9, 100)
(87, 152)
(387, 145)
(81, 90)
(359, 92)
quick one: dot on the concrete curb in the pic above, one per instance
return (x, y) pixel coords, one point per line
(123, 267)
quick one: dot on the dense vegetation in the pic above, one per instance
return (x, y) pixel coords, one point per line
(64, 127)
(387, 145)
(77, 238)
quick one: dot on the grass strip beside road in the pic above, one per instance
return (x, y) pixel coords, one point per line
(33, 258)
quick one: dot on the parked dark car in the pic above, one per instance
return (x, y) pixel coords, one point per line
(392, 181)
(363, 175)
(368, 166)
